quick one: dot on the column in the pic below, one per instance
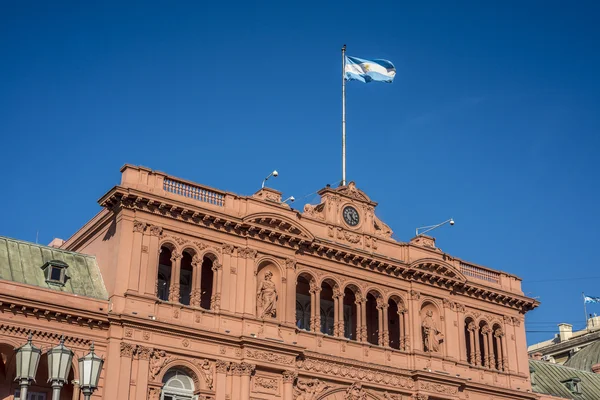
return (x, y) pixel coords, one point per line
(196, 276)
(175, 273)
(245, 370)
(288, 384)
(125, 371)
(290, 286)
(380, 329)
(358, 301)
(136, 256)
(477, 344)
(215, 299)
(75, 390)
(492, 358)
(221, 383)
(338, 296)
(386, 329)
(498, 336)
(315, 306)
(142, 373)
(363, 317)
(486, 348)
(472, 357)
(402, 329)
(153, 258)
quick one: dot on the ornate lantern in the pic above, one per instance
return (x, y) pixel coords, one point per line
(59, 366)
(28, 358)
(90, 366)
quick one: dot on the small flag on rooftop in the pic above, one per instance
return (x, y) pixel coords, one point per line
(591, 299)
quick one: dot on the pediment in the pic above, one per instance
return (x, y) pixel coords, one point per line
(437, 267)
(279, 223)
(349, 191)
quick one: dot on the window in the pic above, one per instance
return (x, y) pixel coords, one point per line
(30, 395)
(55, 272)
(177, 386)
(573, 384)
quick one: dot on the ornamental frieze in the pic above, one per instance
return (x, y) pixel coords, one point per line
(270, 356)
(356, 373)
(438, 388)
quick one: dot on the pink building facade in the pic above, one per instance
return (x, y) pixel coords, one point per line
(212, 295)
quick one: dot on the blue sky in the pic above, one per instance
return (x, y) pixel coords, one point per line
(492, 119)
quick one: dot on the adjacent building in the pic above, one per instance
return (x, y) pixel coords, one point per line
(190, 292)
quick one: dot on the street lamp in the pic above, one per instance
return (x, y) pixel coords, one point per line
(28, 358)
(59, 365)
(90, 366)
(424, 229)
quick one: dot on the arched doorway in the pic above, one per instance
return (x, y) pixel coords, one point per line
(177, 385)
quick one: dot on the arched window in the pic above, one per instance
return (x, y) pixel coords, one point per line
(206, 283)
(303, 303)
(372, 320)
(327, 312)
(185, 279)
(350, 314)
(177, 386)
(164, 273)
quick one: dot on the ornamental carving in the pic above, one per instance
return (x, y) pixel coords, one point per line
(158, 359)
(127, 349)
(448, 304)
(180, 241)
(266, 384)
(351, 237)
(266, 297)
(364, 375)
(207, 371)
(289, 376)
(175, 256)
(227, 249)
(420, 396)
(381, 229)
(315, 211)
(128, 332)
(269, 356)
(200, 246)
(242, 368)
(355, 392)
(143, 352)
(221, 366)
(139, 226)
(156, 230)
(153, 393)
(309, 389)
(290, 263)
(438, 388)
(414, 295)
(247, 253)
(516, 321)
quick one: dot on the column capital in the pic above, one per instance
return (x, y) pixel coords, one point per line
(243, 368)
(127, 349)
(143, 352)
(221, 366)
(289, 376)
(176, 256)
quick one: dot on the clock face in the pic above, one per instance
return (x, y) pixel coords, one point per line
(350, 216)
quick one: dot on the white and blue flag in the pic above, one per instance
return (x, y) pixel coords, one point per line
(366, 71)
(591, 299)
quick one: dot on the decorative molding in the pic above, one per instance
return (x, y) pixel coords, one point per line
(438, 388)
(265, 384)
(242, 368)
(247, 252)
(270, 357)
(309, 389)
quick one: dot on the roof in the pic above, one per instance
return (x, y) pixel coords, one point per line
(22, 261)
(547, 378)
(585, 358)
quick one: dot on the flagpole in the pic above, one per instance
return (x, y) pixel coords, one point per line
(584, 309)
(343, 116)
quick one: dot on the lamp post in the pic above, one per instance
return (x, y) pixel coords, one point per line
(424, 229)
(28, 359)
(90, 366)
(59, 365)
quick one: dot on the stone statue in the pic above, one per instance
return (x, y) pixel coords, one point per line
(432, 336)
(267, 296)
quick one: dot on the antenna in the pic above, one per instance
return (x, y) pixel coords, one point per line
(37, 235)
(432, 227)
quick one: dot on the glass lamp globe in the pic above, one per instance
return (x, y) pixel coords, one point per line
(28, 359)
(59, 362)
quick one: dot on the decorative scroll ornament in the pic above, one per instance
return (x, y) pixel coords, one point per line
(309, 389)
(355, 392)
(315, 211)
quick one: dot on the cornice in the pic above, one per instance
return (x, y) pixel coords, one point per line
(280, 232)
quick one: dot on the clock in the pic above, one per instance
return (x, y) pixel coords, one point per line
(350, 216)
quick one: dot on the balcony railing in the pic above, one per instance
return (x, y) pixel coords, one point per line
(479, 273)
(194, 192)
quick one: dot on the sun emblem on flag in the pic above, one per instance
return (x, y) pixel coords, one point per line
(366, 67)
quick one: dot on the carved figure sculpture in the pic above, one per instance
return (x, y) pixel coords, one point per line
(355, 392)
(208, 373)
(432, 336)
(267, 296)
(310, 389)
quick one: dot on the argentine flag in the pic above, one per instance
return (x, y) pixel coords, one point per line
(591, 299)
(366, 71)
